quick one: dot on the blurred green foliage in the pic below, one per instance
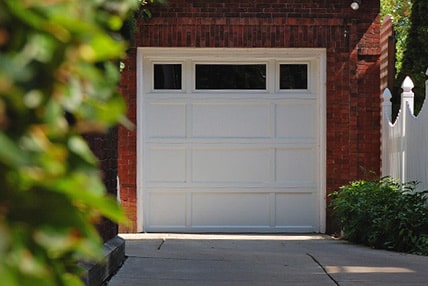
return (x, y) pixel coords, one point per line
(415, 55)
(58, 79)
(142, 13)
(400, 10)
(411, 35)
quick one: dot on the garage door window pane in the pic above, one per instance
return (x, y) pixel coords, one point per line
(293, 76)
(230, 76)
(167, 76)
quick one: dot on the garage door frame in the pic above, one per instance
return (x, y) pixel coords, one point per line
(238, 54)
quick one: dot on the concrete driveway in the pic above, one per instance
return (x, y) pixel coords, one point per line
(180, 259)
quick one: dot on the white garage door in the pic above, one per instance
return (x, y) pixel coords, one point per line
(231, 140)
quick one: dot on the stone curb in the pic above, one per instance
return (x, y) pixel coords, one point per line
(114, 255)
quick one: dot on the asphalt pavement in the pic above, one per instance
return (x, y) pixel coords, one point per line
(206, 259)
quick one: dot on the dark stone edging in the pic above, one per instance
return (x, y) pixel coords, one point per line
(114, 255)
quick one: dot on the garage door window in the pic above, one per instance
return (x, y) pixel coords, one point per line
(293, 76)
(230, 76)
(167, 76)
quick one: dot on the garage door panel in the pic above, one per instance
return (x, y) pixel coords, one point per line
(296, 120)
(166, 165)
(296, 165)
(166, 120)
(231, 120)
(296, 210)
(231, 165)
(166, 209)
(230, 209)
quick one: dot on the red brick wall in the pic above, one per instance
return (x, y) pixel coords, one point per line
(387, 57)
(127, 142)
(105, 148)
(351, 39)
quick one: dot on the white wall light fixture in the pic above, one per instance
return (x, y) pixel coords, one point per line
(355, 5)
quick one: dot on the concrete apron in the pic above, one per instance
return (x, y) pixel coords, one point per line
(182, 259)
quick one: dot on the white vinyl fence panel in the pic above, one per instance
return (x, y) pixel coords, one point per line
(405, 141)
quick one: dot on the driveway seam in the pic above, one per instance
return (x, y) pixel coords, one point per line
(161, 244)
(322, 267)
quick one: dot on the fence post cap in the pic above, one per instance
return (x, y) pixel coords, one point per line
(387, 94)
(407, 84)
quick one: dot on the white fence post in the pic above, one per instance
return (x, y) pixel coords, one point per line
(407, 97)
(386, 115)
(426, 85)
(387, 104)
(407, 105)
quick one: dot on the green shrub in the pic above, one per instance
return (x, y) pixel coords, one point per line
(58, 80)
(383, 214)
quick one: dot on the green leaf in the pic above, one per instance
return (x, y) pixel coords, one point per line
(8, 275)
(11, 154)
(89, 191)
(71, 280)
(105, 48)
(79, 146)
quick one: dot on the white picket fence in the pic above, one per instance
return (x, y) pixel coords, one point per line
(405, 141)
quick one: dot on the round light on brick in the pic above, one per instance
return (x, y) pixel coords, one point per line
(355, 5)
